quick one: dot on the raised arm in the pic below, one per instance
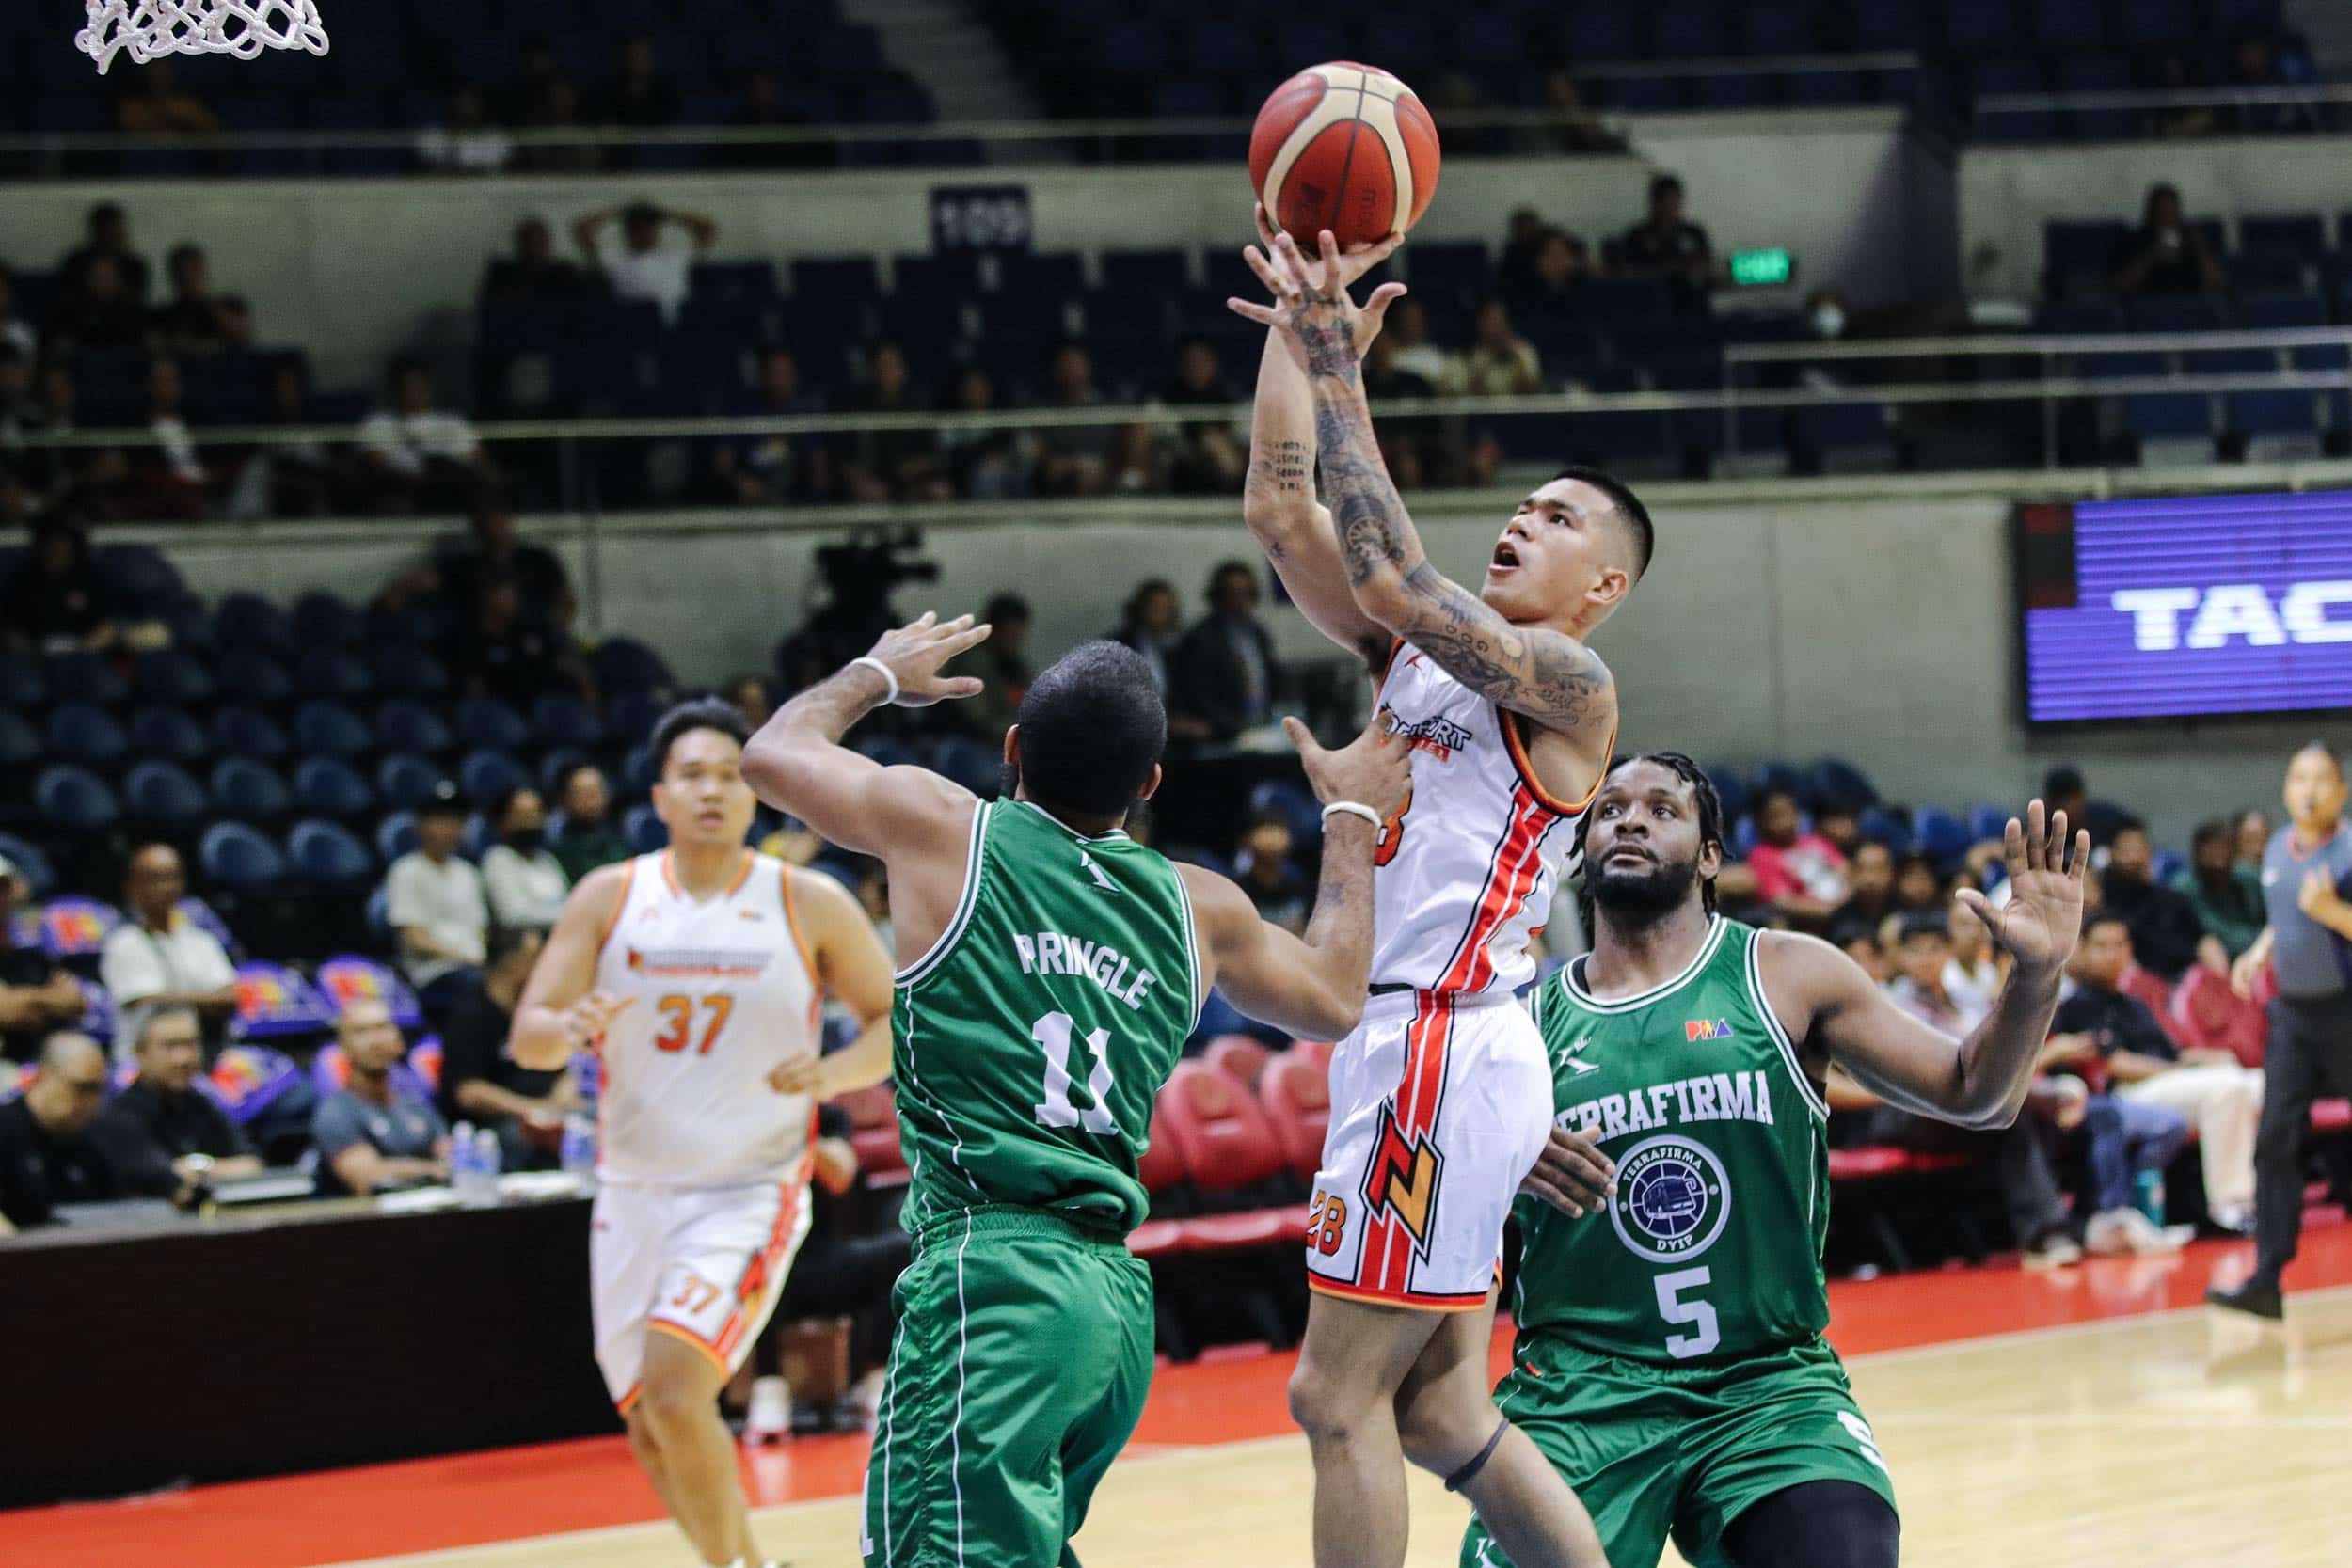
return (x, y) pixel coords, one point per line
(1313, 985)
(1835, 1010)
(1547, 675)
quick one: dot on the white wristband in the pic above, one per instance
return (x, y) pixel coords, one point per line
(1353, 808)
(884, 670)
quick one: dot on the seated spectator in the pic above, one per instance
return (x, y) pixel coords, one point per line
(2166, 255)
(2165, 935)
(501, 651)
(435, 903)
(1526, 232)
(1222, 674)
(481, 1082)
(2181, 121)
(555, 108)
(293, 479)
(1405, 330)
(1916, 885)
(1573, 129)
(170, 476)
(56, 600)
(1263, 866)
(160, 958)
(985, 463)
(1556, 279)
(2254, 62)
(108, 233)
(1385, 377)
(1859, 940)
(534, 271)
(153, 103)
(371, 1134)
(465, 142)
(47, 1155)
(1499, 363)
(1076, 457)
(1209, 458)
(653, 254)
(37, 994)
(191, 322)
(163, 1135)
(1798, 873)
(1150, 626)
(639, 97)
(2209, 1087)
(1973, 978)
(15, 331)
(749, 695)
(764, 107)
(521, 876)
(1139, 462)
(1869, 885)
(490, 548)
(2253, 841)
(1003, 667)
(885, 464)
(1666, 244)
(100, 311)
(2225, 896)
(589, 840)
(773, 470)
(416, 454)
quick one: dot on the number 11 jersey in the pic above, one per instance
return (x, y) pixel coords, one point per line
(1030, 1041)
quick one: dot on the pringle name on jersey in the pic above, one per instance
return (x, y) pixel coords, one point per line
(1708, 1097)
(1056, 953)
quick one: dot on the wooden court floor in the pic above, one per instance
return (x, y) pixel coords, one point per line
(2088, 1418)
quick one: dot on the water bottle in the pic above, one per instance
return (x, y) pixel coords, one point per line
(461, 1159)
(2148, 1187)
(587, 1075)
(579, 1147)
(487, 1163)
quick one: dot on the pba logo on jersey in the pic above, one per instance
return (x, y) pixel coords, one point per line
(1403, 1179)
(1706, 1029)
(1673, 1198)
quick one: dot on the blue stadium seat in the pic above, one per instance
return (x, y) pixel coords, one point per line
(170, 675)
(554, 767)
(1845, 437)
(85, 678)
(2151, 24)
(1988, 822)
(643, 830)
(2256, 272)
(20, 743)
(162, 795)
(142, 573)
(406, 781)
(2194, 313)
(2081, 251)
(480, 834)
(404, 724)
(1880, 826)
(2060, 26)
(253, 677)
(31, 864)
(332, 671)
(1942, 836)
(637, 772)
(2170, 427)
(247, 732)
(1682, 30)
(1056, 274)
(327, 854)
(485, 775)
(1731, 789)
(1604, 32)
(245, 790)
(1145, 273)
(1401, 37)
(1834, 781)
(625, 665)
(22, 685)
(86, 733)
(243, 620)
(331, 788)
(74, 799)
(561, 719)
(326, 729)
(954, 272)
(395, 836)
(2275, 312)
(827, 277)
(233, 855)
(408, 670)
(1979, 26)
(2276, 426)
(735, 281)
(322, 621)
(486, 721)
(1775, 30)
(2303, 234)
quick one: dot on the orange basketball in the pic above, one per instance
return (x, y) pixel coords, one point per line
(1347, 148)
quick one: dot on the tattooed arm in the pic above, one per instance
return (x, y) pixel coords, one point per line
(1547, 675)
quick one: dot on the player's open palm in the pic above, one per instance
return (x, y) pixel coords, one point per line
(2043, 918)
(913, 653)
(1373, 769)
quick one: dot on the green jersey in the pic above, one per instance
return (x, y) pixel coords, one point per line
(1711, 1248)
(1029, 1042)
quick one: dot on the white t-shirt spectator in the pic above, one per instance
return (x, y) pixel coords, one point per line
(483, 150)
(525, 891)
(135, 963)
(447, 901)
(406, 442)
(663, 274)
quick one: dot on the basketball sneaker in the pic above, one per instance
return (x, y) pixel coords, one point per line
(770, 1419)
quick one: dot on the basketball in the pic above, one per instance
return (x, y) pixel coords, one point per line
(1347, 148)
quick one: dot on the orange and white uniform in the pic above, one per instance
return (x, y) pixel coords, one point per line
(1441, 1098)
(702, 1168)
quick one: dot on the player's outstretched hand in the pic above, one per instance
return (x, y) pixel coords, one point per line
(586, 1019)
(914, 652)
(1572, 1173)
(1311, 307)
(2043, 918)
(1373, 769)
(1354, 260)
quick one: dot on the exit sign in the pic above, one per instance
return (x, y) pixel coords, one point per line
(1755, 268)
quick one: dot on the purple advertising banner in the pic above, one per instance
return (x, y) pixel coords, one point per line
(2189, 604)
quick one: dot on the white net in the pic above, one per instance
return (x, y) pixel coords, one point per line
(150, 29)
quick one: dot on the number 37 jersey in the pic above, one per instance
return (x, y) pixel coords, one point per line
(1030, 1041)
(719, 992)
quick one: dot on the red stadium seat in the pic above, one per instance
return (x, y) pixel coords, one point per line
(1238, 1056)
(2207, 1015)
(1318, 1052)
(1161, 1166)
(2153, 992)
(1218, 1129)
(1870, 1164)
(1297, 1094)
(874, 1134)
(2331, 1115)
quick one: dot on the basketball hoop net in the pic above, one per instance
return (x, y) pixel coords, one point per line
(151, 28)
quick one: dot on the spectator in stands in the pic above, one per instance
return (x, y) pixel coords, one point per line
(556, 109)
(491, 548)
(887, 465)
(750, 695)
(1916, 885)
(372, 1133)
(153, 103)
(296, 479)
(524, 99)
(15, 331)
(1524, 233)
(163, 1135)
(1555, 280)
(985, 463)
(416, 454)
(37, 994)
(1263, 866)
(108, 233)
(465, 142)
(639, 97)
(1973, 978)
(191, 322)
(170, 476)
(764, 108)
(1076, 459)
(47, 1155)
(1406, 332)
(1209, 458)
(2225, 896)
(589, 840)
(1859, 940)
(652, 257)
(1798, 872)
(533, 272)
(1139, 461)
(2166, 255)
(100, 311)
(523, 880)
(57, 601)
(160, 958)
(1499, 363)
(1003, 666)
(482, 1084)
(435, 901)
(1836, 822)
(2253, 841)
(1869, 885)
(1574, 127)
(771, 470)
(501, 651)
(2255, 62)
(1384, 377)
(1150, 624)
(1668, 244)
(1223, 672)
(236, 321)
(2166, 934)
(2211, 1088)
(2181, 121)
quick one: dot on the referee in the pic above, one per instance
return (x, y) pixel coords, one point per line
(2307, 880)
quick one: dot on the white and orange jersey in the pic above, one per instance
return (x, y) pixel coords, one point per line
(1466, 870)
(719, 992)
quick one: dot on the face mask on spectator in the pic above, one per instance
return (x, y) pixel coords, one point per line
(525, 841)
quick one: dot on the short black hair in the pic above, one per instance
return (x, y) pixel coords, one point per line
(1853, 928)
(1926, 923)
(1659, 184)
(1711, 805)
(2104, 916)
(1627, 505)
(1224, 569)
(1093, 728)
(2210, 832)
(1777, 792)
(699, 713)
(1005, 607)
(2065, 779)
(2127, 825)
(505, 800)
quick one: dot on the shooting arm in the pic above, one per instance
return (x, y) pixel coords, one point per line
(1277, 502)
(1312, 985)
(797, 764)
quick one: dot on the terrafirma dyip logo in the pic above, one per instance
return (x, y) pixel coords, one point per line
(1707, 1029)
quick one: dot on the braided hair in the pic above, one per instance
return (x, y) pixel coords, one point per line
(1711, 807)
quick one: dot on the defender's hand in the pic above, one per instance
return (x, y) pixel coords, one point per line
(1572, 1174)
(1375, 770)
(914, 652)
(2043, 918)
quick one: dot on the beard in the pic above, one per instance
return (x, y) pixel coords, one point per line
(1647, 892)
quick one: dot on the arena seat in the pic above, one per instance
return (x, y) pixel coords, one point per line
(323, 728)
(39, 876)
(1226, 1146)
(405, 725)
(245, 790)
(76, 798)
(161, 795)
(82, 678)
(233, 855)
(326, 855)
(334, 673)
(643, 830)
(84, 733)
(486, 722)
(162, 733)
(255, 678)
(395, 835)
(1877, 1162)
(1240, 1057)
(20, 744)
(1297, 1094)
(172, 675)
